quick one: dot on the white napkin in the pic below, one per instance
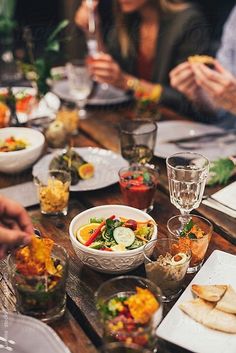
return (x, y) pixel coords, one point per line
(224, 200)
(25, 193)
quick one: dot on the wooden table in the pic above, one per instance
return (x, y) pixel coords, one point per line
(80, 328)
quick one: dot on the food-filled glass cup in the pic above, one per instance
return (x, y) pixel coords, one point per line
(130, 309)
(53, 191)
(138, 184)
(167, 265)
(41, 296)
(137, 140)
(194, 232)
(118, 347)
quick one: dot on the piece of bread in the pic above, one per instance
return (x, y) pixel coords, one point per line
(228, 302)
(212, 293)
(197, 309)
(203, 59)
(205, 313)
(221, 321)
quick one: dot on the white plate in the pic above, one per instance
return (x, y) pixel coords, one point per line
(171, 130)
(100, 96)
(180, 329)
(26, 335)
(106, 164)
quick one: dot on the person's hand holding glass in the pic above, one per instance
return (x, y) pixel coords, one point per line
(187, 174)
(80, 83)
(137, 140)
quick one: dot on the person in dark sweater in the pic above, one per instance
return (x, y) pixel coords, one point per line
(147, 40)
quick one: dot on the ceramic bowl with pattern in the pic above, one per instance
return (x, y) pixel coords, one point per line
(109, 261)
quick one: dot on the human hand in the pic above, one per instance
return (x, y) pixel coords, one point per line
(219, 84)
(15, 226)
(82, 14)
(182, 78)
(104, 69)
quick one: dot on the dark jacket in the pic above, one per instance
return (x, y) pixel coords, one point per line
(181, 34)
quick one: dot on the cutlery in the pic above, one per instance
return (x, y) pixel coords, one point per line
(91, 16)
(204, 137)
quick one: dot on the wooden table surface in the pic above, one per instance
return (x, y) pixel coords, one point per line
(80, 328)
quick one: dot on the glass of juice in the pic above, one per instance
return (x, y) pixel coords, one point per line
(137, 140)
(138, 184)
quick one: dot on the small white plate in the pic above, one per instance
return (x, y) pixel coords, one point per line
(180, 329)
(174, 130)
(23, 334)
(106, 163)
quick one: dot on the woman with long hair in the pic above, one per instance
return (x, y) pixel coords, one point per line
(147, 40)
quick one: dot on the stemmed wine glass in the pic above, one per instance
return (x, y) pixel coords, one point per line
(187, 174)
(80, 84)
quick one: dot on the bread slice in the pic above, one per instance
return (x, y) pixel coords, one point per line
(197, 309)
(221, 321)
(212, 293)
(203, 59)
(205, 313)
(228, 302)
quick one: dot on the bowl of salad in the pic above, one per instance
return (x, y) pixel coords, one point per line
(20, 147)
(111, 238)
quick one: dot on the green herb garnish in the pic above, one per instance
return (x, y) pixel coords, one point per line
(192, 236)
(96, 220)
(187, 228)
(146, 178)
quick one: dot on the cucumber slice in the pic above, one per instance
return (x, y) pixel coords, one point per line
(123, 235)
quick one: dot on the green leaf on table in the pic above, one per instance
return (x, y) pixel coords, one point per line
(220, 171)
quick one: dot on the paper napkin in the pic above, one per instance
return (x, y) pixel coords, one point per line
(224, 200)
(25, 193)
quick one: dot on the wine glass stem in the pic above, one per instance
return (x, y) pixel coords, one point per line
(81, 109)
(184, 219)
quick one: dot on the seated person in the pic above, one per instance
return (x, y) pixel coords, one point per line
(148, 39)
(212, 91)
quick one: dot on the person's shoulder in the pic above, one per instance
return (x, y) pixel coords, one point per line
(186, 13)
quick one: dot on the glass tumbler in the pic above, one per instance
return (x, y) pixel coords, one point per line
(130, 308)
(194, 232)
(167, 265)
(43, 297)
(53, 191)
(137, 140)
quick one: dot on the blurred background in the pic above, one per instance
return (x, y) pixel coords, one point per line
(42, 16)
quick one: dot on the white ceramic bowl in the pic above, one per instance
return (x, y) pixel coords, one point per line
(106, 261)
(14, 162)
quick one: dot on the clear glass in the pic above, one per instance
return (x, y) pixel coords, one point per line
(138, 185)
(187, 174)
(117, 347)
(162, 267)
(124, 286)
(137, 140)
(53, 191)
(80, 83)
(44, 304)
(197, 246)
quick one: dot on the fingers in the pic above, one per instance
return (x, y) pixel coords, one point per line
(181, 67)
(12, 238)
(11, 210)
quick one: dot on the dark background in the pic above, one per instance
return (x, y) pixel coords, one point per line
(43, 15)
